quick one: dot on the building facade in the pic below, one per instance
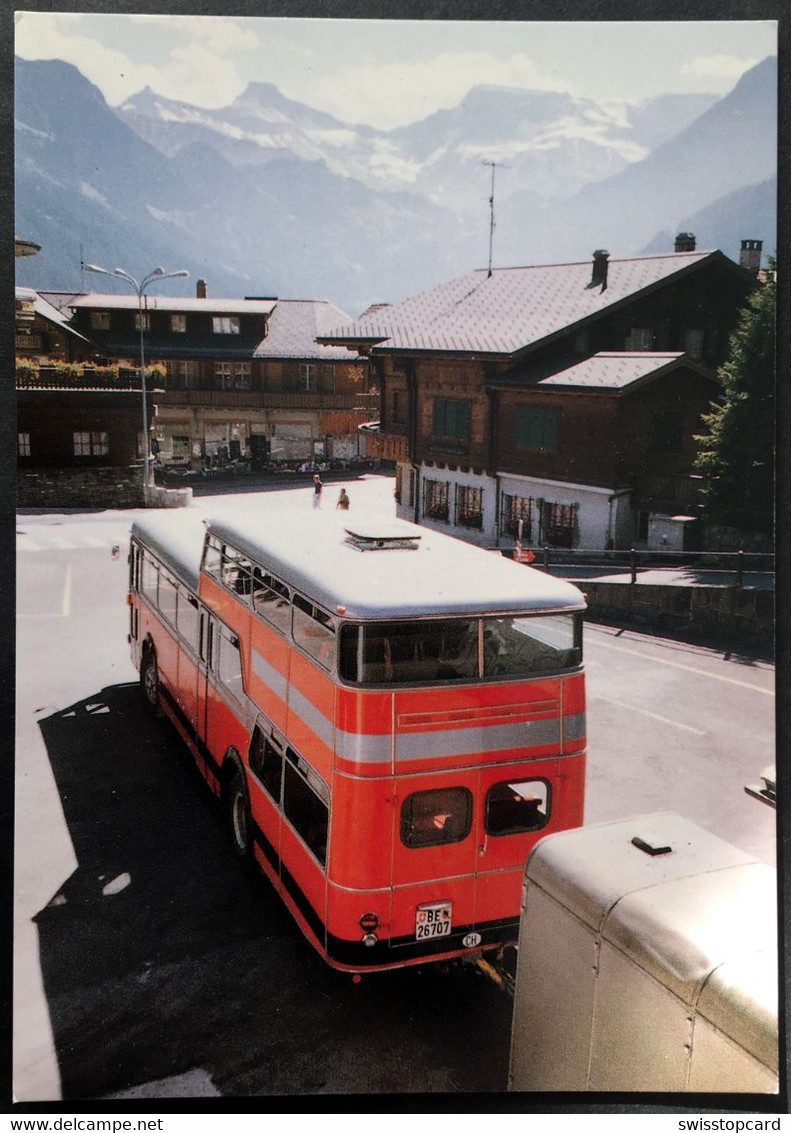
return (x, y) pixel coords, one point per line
(560, 401)
(243, 378)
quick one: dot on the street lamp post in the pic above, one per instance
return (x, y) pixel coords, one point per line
(139, 288)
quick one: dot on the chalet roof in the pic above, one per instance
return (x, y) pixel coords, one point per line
(61, 300)
(610, 370)
(177, 304)
(46, 310)
(293, 327)
(512, 308)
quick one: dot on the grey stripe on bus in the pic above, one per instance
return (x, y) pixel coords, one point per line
(376, 748)
(269, 675)
(359, 748)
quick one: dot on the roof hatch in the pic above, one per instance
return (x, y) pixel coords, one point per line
(382, 538)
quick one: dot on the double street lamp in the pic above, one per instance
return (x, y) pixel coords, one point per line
(153, 277)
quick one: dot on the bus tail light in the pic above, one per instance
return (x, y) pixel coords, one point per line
(368, 922)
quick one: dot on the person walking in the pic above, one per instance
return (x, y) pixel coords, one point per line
(317, 487)
(343, 500)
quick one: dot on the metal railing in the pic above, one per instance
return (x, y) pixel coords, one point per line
(730, 566)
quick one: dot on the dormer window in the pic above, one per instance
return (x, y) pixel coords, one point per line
(639, 338)
(693, 342)
(582, 341)
(100, 320)
(178, 324)
(225, 324)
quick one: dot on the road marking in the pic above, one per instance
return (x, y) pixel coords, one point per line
(66, 606)
(653, 715)
(59, 543)
(688, 669)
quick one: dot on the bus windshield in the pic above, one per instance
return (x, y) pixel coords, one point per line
(460, 649)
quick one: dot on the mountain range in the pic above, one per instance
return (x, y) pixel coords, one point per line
(269, 196)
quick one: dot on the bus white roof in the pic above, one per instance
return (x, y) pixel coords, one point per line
(177, 538)
(417, 571)
(430, 573)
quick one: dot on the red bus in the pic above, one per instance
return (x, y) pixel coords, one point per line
(390, 717)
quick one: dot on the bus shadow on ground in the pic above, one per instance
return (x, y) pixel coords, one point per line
(160, 954)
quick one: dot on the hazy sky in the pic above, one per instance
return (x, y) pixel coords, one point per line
(388, 73)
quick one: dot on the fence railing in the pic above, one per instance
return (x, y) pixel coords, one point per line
(730, 566)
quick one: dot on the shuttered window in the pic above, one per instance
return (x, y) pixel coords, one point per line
(451, 418)
(536, 427)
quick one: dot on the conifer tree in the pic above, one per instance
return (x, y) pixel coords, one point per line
(736, 454)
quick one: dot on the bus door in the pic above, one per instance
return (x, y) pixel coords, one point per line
(222, 703)
(208, 628)
(434, 856)
(207, 635)
(189, 673)
(515, 805)
(266, 758)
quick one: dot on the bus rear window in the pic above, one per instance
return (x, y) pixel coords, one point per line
(517, 805)
(520, 646)
(436, 817)
(460, 649)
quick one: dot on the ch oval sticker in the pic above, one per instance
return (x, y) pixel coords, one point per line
(471, 939)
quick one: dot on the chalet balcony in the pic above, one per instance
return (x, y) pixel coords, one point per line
(25, 342)
(76, 376)
(387, 446)
(266, 399)
(673, 492)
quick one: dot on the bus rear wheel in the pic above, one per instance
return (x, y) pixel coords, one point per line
(237, 810)
(149, 680)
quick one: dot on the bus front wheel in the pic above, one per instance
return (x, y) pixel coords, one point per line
(149, 680)
(237, 808)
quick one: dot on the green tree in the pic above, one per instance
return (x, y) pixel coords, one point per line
(736, 454)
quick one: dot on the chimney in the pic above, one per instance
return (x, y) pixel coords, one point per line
(750, 255)
(685, 242)
(200, 290)
(599, 276)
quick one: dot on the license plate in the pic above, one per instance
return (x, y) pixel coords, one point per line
(432, 920)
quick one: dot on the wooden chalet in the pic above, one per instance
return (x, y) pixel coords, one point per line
(566, 396)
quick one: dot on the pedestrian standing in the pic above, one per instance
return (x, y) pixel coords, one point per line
(343, 500)
(317, 486)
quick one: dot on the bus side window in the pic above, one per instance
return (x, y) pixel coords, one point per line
(243, 583)
(212, 557)
(134, 568)
(307, 812)
(187, 620)
(206, 635)
(266, 763)
(272, 601)
(314, 631)
(150, 577)
(168, 598)
(230, 662)
(230, 567)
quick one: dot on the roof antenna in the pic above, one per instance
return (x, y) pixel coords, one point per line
(494, 165)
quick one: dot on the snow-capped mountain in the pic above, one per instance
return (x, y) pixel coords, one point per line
(550, 141)
(269, 196)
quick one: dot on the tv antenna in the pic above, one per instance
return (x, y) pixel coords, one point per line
(494, 165)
